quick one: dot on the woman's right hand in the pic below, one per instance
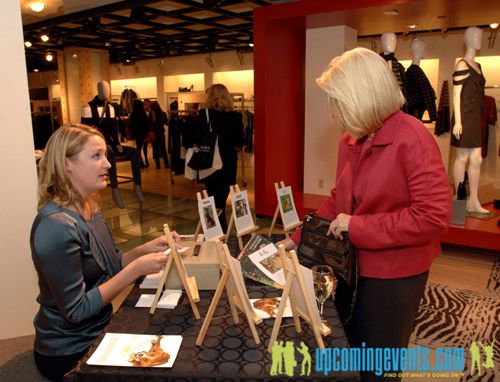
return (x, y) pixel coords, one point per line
(150, 263)
(457, 130)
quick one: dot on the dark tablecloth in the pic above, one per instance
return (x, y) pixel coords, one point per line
(228, 352)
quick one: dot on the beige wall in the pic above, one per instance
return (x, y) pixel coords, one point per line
(18, 282)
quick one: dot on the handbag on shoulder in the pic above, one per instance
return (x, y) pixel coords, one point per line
(205, 151)
(316, 247)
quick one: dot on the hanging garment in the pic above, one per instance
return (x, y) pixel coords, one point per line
(443, 113)
(420, 95)
(471, 106)
(397, 69)
(488, 117)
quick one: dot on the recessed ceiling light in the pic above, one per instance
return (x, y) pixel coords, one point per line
(412, 26)
(28, 44)
(49, 57)
(74, 55)
(44, 38)
(391, 12)
(35, 70)
(494, 25)
(37, 6)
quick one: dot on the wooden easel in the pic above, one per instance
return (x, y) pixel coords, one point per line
(236, 295)
(239, 234)
(293, 275)
(189, 283)
(201, 196)
(276, 213)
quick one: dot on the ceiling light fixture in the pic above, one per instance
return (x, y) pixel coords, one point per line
(391, 12)
(35, 70)
(44, 38)
(28, 44)
(412, 26)
(49, 57)
(494, 25)
(37, 6)
(74, 55)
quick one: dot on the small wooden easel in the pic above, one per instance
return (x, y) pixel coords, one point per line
(239, 234)
(198, 227)
(276, 213)
(236, 294)
(300, 301)
(189, 283)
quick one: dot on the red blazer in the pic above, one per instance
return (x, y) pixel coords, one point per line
(397, 190)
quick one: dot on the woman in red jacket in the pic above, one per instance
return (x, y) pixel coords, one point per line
(391, 194)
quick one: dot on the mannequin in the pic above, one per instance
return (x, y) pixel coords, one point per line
(468, 98)
(420, 95)
(389, 43)
(101, 114)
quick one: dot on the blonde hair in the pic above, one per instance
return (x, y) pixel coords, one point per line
(53, 180)
(362, 91)
(218, 98)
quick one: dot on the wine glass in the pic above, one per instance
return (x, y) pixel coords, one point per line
(324, 283)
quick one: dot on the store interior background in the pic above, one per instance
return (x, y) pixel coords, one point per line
(18, 192)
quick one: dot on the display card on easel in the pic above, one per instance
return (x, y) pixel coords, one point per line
(209, 219)
(287, 207)
(242, 216)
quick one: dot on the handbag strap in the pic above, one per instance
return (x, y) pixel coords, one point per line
(208, 120)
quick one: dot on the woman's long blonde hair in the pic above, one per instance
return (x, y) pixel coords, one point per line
(53, 180)
(218, 98)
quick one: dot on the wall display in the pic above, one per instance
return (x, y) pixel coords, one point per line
(209, 219)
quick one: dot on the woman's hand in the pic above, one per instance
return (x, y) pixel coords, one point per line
(338, 225)
(288, 244)
(150, 263)
(457, 130)
(160, 244)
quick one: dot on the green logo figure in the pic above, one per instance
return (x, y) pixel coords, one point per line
(476, 356)
(306, 361)
(277, 358)
(284, 356)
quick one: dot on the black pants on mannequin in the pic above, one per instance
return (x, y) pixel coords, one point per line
(219, 189)
(135, 163)
(384, 315)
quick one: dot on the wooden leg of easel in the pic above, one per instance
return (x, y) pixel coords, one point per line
(197, 231)
(240, 242)
(211, 309)
(159, 290)
(274, 221)
(229, 228)
(279, 315)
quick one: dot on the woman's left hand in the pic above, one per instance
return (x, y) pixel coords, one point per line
(338, 225)
(160, 244)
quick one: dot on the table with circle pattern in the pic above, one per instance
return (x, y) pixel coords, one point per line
(228, 353)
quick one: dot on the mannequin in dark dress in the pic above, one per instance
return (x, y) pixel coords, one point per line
(468, 101)
(100, 113)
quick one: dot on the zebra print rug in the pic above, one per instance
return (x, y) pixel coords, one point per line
(451, 317)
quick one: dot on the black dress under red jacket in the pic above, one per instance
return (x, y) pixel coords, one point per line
(229, 128)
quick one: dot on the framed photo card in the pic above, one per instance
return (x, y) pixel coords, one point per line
(241, 211)
(287, 207)
(209, 219)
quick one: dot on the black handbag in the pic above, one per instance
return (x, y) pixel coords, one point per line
(203, 151)
(316, 247)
